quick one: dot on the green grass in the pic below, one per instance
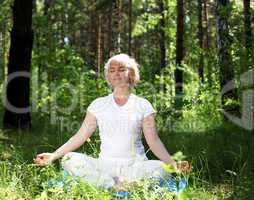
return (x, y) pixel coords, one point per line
(222, 161)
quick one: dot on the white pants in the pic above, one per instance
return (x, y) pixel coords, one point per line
(102, 171)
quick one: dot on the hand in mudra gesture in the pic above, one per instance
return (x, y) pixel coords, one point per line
(184, 167)
(44, 159)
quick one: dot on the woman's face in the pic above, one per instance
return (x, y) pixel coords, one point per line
(118, 74)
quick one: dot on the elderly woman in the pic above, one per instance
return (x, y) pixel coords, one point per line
(120, 116)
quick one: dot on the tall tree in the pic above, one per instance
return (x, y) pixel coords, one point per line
(200, 38)
(248, 34)
(46, 6)
(224, 56)
(120, 25)
(179, 45)
(130, 25)
(4, 30)
(206, 42)
(3, 49)
(99, 44)
(109, 29)
(162, 36)
(17, 113)
(92, 35)
(205, 27)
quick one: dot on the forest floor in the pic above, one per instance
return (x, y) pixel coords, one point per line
(222, 160)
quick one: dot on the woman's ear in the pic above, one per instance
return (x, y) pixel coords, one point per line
(131, 76)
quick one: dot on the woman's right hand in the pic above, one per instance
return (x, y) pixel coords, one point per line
(44, 159)
(184, 167)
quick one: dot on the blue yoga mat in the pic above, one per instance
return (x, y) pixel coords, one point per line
(172, 184)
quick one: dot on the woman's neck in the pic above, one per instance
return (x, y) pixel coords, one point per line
(121, 92)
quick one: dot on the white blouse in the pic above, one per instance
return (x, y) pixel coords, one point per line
(120, 126)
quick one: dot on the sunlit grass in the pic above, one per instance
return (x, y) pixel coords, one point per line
(221, 166)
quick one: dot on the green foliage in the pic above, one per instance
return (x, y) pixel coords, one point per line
(145, 22)
(221, 163)
(201, 108)
(64, 83)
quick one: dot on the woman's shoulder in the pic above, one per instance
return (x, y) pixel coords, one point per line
(141, 99)
(98, 104)
(101, 99)
(144, 106)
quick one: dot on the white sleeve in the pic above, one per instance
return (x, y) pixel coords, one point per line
(93, 107)
(147, 108)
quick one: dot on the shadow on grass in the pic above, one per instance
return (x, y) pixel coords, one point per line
(222, 158)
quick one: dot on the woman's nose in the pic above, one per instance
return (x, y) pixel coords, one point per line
(117, 73)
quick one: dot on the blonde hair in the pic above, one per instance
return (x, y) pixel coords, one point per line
(129, 63)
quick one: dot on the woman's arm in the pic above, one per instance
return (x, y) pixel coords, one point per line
(87, 128)
(154, 142)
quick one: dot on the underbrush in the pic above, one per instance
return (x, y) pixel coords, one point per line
(222, 161)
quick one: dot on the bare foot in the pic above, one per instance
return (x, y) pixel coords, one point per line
(118, 184)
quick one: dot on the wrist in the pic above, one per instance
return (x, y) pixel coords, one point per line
(172, 163)
(56, 155)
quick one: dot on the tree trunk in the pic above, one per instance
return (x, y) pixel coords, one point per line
(248, 35)
(162, 37)
(119, 39)
(224, 57)
(3, 51)
(130, 26)
(17, 111)
(109, 31)
(34, 7)
(200, 37)
(92, 35)
(99, 46)
(178, 101)
(205, 28)
(46, 6)
(206, 43)
(179, 46)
